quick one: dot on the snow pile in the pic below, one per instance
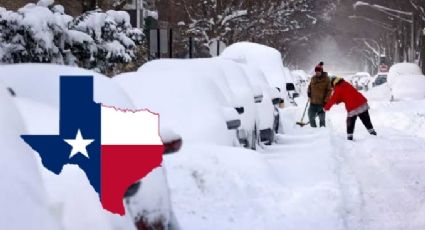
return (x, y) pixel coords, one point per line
(42, 32)
(379, 93)
(152, 201)
(300, 75)
(406, 81)
(23, 199)
(406, 117)
(408, 87)
(212, 189)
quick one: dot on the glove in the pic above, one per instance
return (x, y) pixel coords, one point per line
(321, 111)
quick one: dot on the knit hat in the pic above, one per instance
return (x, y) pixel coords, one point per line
(318, 69)
(335, 80)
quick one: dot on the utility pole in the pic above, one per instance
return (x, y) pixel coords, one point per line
(412, 41)
(139, 13)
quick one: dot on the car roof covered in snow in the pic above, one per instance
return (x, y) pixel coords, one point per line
(268, 59)
(40, 82)
(405, 69)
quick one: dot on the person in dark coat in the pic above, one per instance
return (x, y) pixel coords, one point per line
(355, 104)
(319, 91)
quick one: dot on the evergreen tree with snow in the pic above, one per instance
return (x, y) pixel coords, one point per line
(43, 33)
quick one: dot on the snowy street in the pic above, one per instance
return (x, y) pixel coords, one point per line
(212, 115)
(327, 182)
(373, 183)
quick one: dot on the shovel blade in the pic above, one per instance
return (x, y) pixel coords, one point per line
(302, 124)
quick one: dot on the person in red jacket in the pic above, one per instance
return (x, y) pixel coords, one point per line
(355, 104)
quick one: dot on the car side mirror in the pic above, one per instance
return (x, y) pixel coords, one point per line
(276, 101)
(232, 118)
(290, 87)
(233, 124)
(172, 142)
(240, 110)
(173, 146)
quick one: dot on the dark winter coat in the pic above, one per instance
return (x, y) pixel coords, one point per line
(345, 92)
(319, 90)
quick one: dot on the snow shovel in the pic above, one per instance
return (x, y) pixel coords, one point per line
(301, 123)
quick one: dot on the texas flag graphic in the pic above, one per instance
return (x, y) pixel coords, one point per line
(115, 147)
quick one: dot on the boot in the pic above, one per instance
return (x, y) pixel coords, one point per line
(373, 132)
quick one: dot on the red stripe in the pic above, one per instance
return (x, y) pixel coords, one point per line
(123, 165)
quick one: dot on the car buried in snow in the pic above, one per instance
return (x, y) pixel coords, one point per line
(267, 108)
(361, 80)
(406, 82)
(228, 84)
(379, 79)
(35, 89)
(186, 100)
(22, 192)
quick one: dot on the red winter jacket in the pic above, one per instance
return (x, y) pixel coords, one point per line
(344, 92)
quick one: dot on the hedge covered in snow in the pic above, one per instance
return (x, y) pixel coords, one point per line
(43, 33)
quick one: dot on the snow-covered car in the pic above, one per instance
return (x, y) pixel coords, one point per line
(23, 199)
(231, 82)
(192, 104)
(360, 80)
(406, 82)
(267, 112)
(379, 79)
(239, 83)
(39, 107)
(268, 59)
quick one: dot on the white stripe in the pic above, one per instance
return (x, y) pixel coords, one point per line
(129, 128)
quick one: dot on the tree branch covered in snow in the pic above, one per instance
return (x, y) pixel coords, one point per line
(42, 32)
(237, 20)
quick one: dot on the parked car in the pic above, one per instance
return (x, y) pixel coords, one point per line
(192, 104)
(23, 196)
(267, 59)
(379, 79)
(267, 108)
(406, 82)
(229, 79)
(360, 80)
(239, 83)
(39, 107)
